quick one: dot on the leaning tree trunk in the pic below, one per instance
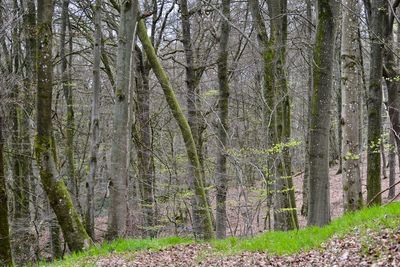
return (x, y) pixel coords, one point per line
(351, 88)
(378, 13)
(59, 198)
(117, 212)
(223, 108)
(5, 247)
(319, 200)
(95, 134)
(204, 211)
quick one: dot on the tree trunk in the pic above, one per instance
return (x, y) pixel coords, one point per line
(5, 247)
(119, 172)
(67, 89)
(277, 109)
(95, 134)
(285, 214)
(193, 106)
(223, 108)
(204, 211)
(392, 165)
(305, 193)
(374, 105)
(59, 198)
(319, 200)
(351, 88)
(144, 144)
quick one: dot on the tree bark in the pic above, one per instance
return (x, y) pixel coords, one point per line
(374, 104)
(95, 133)
(119, 173)
(60, 200)
(144, 144)
(351, 88)
(204, 210)
(319, 200)
(223, 127)
(72, 183)
(5, 247)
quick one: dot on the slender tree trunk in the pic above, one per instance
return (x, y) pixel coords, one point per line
(392, 165)
(67, 89)
(193, 106)
(205, 212)
(59, 198)
(304, 208)
(95, 134)
(223, 106)
(351, 88)
(119, 172)
(319, 200)
(378, 12)
(20, 226)
(5, 247)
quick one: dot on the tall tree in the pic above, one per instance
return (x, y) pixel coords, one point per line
(190, 145)
(59, 198)
(223, 109)
(374, 104)
(319, 199)
(95, 127)
(277, 108)
(195, 119)
(67, 90)
(351, 87)
(5, 247)
(117, 212)
(20, 112)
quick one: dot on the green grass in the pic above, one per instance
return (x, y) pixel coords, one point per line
(272, 242)
(118, 246)
(312, 237)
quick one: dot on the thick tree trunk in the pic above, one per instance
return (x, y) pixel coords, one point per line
(144, 144)
(60, 200)
(374, 104)
(351, 88)
(277, 109)
(5, 247)
(285, 214)
(319, 200)
(204, 210)
(95, 134)
(223, 108)
(119, 172)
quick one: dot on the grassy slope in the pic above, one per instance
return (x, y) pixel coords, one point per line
(273, 242)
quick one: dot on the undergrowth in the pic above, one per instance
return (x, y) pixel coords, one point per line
(279, 243)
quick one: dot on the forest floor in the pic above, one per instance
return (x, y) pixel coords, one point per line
(367, 238)
(370, 237)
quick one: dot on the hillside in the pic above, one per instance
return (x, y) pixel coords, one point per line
(370, 237)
